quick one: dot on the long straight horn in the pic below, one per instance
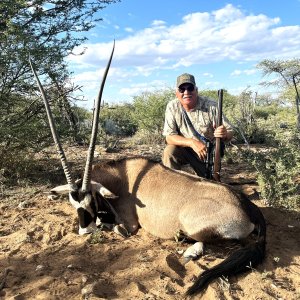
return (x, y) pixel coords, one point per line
(88, 167)
(58, 145)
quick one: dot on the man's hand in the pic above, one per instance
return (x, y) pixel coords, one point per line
(221, 132)
(200, 148)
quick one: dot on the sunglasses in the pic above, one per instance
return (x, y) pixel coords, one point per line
(189, 88)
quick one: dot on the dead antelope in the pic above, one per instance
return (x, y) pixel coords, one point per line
(164, 202)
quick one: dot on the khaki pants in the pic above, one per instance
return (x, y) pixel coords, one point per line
(175, 157)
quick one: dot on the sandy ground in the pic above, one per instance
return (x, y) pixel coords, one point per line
(43, 257)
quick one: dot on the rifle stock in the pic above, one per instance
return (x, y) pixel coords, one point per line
(217, 159)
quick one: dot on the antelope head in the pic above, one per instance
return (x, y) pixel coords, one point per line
(83, 195)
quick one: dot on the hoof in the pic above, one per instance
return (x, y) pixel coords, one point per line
(193, 252)
(121, 230)
(89, 229)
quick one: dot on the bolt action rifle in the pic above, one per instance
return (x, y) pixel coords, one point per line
(215, 150)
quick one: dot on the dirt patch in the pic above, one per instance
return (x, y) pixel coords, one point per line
(43, 257)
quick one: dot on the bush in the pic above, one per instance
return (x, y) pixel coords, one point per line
(143, 137)
(117, 120)
(278, 170)
(149, 110)
(265, 121)
(15, 165)
(264, 112)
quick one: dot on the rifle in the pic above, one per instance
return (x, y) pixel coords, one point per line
(217, 161)
(209, 162)
(215, 150)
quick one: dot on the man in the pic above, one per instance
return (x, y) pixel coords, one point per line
(189, 124)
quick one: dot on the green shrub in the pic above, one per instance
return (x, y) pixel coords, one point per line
(15, 165)
(149, 110)
(117, 120)
(144, 137)
(278, 170)
(264, 112)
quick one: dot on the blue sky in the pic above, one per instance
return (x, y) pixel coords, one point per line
(220, 42)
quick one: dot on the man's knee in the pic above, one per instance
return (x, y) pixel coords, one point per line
(175, 157)
(170, 151)
(170, 156)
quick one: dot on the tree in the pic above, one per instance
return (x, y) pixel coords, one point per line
(117, 119)
(149, 110)
(48, 30)
(229, 104)
(288, 72)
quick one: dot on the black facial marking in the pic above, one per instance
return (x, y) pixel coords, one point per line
(104, 212)
(94, 209)
(85, 218)
(75, 195)
(106, 217)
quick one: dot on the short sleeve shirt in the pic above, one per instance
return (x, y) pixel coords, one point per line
(203, 118)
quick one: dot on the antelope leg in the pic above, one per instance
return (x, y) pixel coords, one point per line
(193, 252)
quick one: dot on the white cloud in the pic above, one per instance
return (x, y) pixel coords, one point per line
(201, 38)
(158, 23)
(236, 73)
(136, 89)
(128, 29)
(243, 72)
(227, 34)
(208, 75)
(227, 14)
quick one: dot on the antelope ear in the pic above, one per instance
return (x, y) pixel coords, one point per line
(103, 191)
(61, 190)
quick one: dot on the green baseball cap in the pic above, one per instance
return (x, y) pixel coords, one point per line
(185, 78)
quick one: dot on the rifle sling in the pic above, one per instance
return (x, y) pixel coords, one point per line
(195, 132)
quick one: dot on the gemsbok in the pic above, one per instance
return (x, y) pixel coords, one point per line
(140, 192)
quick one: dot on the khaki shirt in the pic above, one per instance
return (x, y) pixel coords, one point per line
(203, 118)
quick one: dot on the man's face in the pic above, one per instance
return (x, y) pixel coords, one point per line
(187, 95)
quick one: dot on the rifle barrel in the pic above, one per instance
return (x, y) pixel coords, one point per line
(220, 108)
(217, 160)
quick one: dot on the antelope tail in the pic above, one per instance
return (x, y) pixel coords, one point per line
(240, 260)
